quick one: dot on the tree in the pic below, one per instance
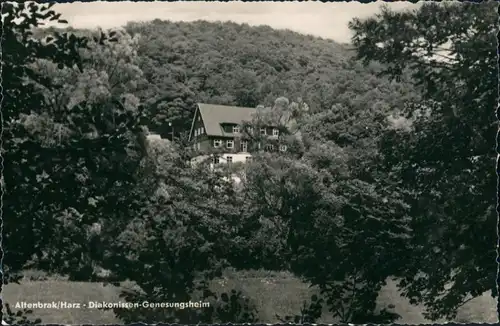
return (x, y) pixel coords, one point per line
(233, 64)
(80, 180)
(21, 181)
(447, 157)
(178, 242)
(323, 213)
(19, 98)
(72, 143)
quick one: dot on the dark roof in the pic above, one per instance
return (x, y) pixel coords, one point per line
(215, 115)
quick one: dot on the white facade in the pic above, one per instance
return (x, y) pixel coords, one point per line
(224, 158)
(241, 157)
(154, 137)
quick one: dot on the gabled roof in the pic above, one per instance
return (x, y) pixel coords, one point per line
(215, 115)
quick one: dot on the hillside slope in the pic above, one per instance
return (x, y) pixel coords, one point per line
(233, 64)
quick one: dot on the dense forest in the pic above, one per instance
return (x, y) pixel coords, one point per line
(228, 63)
(389, 173)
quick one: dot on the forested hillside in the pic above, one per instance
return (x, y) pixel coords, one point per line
(228, 63)
(388, 171)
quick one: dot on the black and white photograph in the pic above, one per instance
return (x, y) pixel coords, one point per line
(238, 162)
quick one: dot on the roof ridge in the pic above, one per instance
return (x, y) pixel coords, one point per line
(226, 105)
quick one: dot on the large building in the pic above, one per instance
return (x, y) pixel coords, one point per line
(219, 128)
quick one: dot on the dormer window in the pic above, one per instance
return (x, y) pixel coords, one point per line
(236, 129)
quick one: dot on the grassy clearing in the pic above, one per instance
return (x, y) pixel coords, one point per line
(273, 293)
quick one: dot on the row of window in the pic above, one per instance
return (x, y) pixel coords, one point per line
(244, 145)
(263, 131)
(229, 159)
(282, 148)
(276, 132)
(236, 130)
(230, 144)
(199, 131)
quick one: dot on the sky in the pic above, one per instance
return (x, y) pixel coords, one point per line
(327, 20)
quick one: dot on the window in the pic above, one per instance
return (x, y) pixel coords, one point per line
(250, 130)
(236, 129)
(217, 142)
(282, 148)
(230, 144)
(196, 132)
(198, 145)
(202, 131)
(262, 131)
(269, 147)
(244, 146)
(199, 117)
(216, 160)
(276, 132)
(229, 159)
(248, 158)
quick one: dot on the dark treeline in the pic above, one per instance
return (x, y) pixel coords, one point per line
(389, 173)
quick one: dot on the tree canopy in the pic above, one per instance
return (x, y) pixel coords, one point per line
(387, 170)
(233, 64)
(446, 161)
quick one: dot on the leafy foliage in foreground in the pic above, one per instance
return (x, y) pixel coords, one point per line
(324, 212)
(20, 317)
(446, 162)
(22, 168)
(84, 189)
